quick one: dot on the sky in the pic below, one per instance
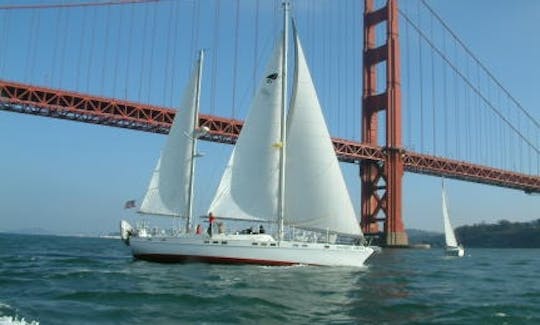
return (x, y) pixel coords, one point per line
(73, 178)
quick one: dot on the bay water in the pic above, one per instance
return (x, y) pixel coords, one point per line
(76, 280)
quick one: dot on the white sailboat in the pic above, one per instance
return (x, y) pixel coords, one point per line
(452, 247)
(283, 170)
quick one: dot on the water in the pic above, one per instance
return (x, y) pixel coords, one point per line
(69, 280)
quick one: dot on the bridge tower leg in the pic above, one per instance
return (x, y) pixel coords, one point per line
(382, 181)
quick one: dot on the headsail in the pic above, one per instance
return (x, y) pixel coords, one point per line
(448, 230)
(168, 190)
(316, 196)
(248, 188)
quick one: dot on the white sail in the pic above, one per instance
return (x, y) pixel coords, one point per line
(168, 191)
(316, 196)
(248, 188)
(448, 230)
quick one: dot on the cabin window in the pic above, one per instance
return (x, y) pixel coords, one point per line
(223, 243)
(272, 244)
(215, 242)
(207, 242)
(254, 244)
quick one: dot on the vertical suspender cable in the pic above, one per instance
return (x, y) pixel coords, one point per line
(152, 46)
(143, 55)
(215, 56)
(256, 47)
(91, 50)
(117, 47)
(130, 41)
(235, 65)
(104, 62)
(433, 91)
(81, 47)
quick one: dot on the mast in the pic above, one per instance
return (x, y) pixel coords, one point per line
(283, 133)
(194, 136)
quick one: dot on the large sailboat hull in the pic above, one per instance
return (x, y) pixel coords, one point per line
(246, 249)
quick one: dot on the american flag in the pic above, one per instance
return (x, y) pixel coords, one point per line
(129, 204)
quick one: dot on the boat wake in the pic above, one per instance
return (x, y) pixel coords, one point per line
(9, 317)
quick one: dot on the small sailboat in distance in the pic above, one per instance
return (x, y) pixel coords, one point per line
(452, 247)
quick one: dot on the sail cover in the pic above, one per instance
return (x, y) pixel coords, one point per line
(448, 230)
(248, 188)
(316, 196)
(167, 192)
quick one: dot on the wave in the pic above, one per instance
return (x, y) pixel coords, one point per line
(12, 319)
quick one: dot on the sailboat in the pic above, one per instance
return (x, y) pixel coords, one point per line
(282, 171)
(452, 247)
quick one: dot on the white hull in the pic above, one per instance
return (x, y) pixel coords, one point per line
(246, 249)
(455, 251)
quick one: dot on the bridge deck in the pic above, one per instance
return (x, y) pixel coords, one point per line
(55, 103)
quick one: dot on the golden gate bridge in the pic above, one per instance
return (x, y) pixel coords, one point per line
(488, 123)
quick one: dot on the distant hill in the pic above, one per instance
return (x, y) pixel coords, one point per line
(30, 231)
(504, 234)
(416, 236)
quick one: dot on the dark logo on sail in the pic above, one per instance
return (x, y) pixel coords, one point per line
(271, 77)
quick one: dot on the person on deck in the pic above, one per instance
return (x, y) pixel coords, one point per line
(261, 229)
(211, 220)
(199, 229)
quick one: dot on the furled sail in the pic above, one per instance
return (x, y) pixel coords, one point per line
(448, 230)
(248, 188)
(168, 191)
(316, 195)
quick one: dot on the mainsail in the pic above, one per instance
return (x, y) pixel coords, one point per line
(168, 191)
(316, 196)
(448, 230)
(248, 188)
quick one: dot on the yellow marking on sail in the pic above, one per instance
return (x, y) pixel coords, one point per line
(278, 145)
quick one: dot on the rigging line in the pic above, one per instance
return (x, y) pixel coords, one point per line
(75, 5)
(235, 66)
(520, 107)
(476, 90)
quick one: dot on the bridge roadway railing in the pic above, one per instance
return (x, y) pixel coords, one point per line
(55, 103)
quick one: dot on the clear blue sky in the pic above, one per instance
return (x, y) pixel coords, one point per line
(71, 177)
